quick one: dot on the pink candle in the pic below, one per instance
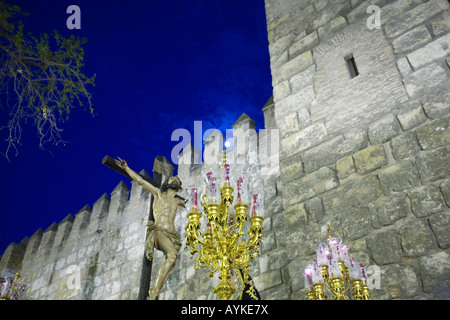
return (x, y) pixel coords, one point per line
(363, 272)
(255, 199)
(309, 277)
(194, 198)
(239, 192)
(227, 172)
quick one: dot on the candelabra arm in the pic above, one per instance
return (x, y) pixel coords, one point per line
(203, 243)
(253, 242)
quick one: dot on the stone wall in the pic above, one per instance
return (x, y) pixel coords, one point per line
(97, 255)
(368, 155)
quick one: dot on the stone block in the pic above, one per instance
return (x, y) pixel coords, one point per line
(291, 168)
(294, 102)
(397, 8)
(296, 269)
(411, 40)
(425, 201)
(437, 106)
(300, 241)
(354, 193)
(333, 26)
(370, 159)
(281, 292)
(304, 118)
(334, 149)
(445, 189)
(330, 12)
(441, 25)
(414, 17)
(398, 281)
(405, 146)
(404, 66)
(278, 20)
(302, 79)
(440, 224)
(269, 242)
(355, 223)
(399, 177)
(274, 206)
(389, 210)
(345, 167)
(359, 11)
(412, 118)
(277, 47)
(426, 79)
(294, 216)
(268, 280)
(434, 134)
(304, 139)
(320, 4)
(309, 186)
(289, 125)
(383, 129)
(281, 91)
(296, 65)
(315, 209)
(435, 271)
(433, 165)
(417, 239)
(436, 50)
(274, 261)
(385, 247)
(306, 43)
(294, 24)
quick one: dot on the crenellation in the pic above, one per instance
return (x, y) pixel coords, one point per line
(47, 240)
(162, 169)
(119, 195)
(33, 244)
(63, 232)
(81, 222)
(11, 258)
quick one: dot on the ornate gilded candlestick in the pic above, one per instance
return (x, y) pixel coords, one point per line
(222, 246)
(335, 271)
(11, 288)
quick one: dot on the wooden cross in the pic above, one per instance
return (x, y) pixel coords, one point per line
(146, 265)
(109, 162)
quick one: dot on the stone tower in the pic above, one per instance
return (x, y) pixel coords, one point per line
(363, 112)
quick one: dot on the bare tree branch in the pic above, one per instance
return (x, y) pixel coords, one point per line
(41, 80)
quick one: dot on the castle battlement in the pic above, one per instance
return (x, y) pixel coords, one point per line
(70, 258)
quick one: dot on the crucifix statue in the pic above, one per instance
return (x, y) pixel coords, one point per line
(161, 233)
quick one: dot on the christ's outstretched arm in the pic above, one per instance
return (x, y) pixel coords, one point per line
(136, 177)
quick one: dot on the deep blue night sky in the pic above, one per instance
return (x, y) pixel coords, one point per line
(160, 65)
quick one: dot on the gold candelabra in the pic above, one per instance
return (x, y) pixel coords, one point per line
(10, 288)
(224, 245)
(336, 271)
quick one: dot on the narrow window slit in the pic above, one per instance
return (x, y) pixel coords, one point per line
(351, 66)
